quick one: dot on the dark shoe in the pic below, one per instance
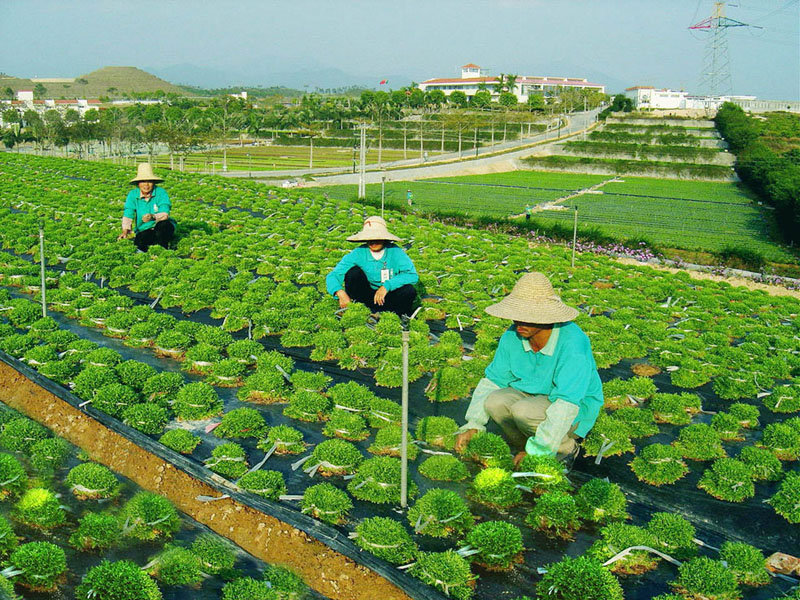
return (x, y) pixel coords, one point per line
(569, 459)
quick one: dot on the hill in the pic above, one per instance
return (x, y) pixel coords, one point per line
(114, 82)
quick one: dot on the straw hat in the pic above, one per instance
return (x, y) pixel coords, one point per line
(144, 172)
(533, 301)
(374, 229)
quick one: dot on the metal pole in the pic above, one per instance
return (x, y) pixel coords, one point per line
(362, 187)
(383, 192)
(404, 427)
(574, 236)
(41, 260)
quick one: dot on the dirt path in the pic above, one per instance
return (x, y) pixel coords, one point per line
(772, 290)
(558, 201)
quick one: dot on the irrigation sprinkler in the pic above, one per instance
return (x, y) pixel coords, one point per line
(404, 427)
(574, 235)
(41, 260)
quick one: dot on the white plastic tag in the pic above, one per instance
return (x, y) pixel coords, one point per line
(385, 275)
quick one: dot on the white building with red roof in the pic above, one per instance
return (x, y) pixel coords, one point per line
(474, 78)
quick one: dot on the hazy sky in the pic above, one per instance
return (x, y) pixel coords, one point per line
(618, 42)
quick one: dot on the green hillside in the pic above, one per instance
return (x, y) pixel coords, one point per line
(114, 82)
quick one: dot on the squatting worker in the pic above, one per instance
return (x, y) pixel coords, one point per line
(542, 387)
(146, 212)
(378, 273)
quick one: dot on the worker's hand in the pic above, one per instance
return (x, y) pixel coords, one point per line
(380, 295)
(518, 458)
(462, 439)
(147, 218)
(344, 299)
(125, 233)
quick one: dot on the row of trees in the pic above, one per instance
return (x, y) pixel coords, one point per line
(774, 176)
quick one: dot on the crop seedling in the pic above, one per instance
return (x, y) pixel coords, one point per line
(556, 514)
(496, 487)
(699, 442)
(39, 508)
(616, 537)
(448, 384)
(180, 440)
(42, 565)
(115, 398)
(438, 432)
(601, 502)
(440, 513)
(443, 468)
(13, 476)
(619, 393)
(162, 388)
(782, 439)
(746, 562)
(387, 443)
(675, 409)
(763, 463)
(265, 387)
(308, 406)
(197, 401)
(96, 531)
(497, 545)
(247, 588)
(269, 484)
(147, 418)
(446, 571)
(786, 501)
(148, 516)
(746, 414)
(706, 578)
(378, 480)
(8, 540)
(727, 426)
(284, 582)
(92, 481)
(659, 464)
(327, 503)
(346, 425)
(675, 535)
(540, 474)
(134, 373)
(383, 412)
(200, 359)
(489, 450)
(242, 423)
(784, 399)
(177, 566)
(228, 460)
(215, 553)
(21, 434)
(334, 457)
(728, 479)
(351, 396)
(608, 437)
(119, 579)
(387, 539)
(581, 578)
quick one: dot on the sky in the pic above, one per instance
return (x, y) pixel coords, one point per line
(309, 44)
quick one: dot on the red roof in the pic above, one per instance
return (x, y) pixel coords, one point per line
(639, 87)
(460, 80)
(470, 66)
(527, 80)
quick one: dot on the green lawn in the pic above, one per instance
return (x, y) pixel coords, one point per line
(672, 188)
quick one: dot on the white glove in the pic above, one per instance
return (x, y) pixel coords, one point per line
(559, 417)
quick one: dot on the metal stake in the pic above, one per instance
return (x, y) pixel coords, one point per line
(574, 236)
(41, 260)
(404, 427)
(383, 192)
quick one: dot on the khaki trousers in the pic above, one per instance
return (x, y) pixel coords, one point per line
(519, 414)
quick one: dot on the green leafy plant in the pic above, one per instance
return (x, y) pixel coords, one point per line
(706, 578)
(728, 479)
(447, 572)
(148, 516)
(285, 583)
(162, 388)
(115, 581)
(489, 450)
(602, 502)
(436, 431)
(746, 562)
(443, 468)
(177, 566)
(148, 418)
(786, 501)
(658, 464)
(200, 359)
(498, 545)
(699, 442)
(306, 381)
(494, 486)
(216, 554)
(727, 426)
(92, 481)
(440, 513)
(326, 502)
(308, 406)
(675, 535)
(8, 540)
(387, 539)
(180, 440)
(229, 460)
(619, 393)
(42, 564)
(555, 513)
(115, 398)
(335, 457)
(242, 423)
(675, 409)
(782, 439)
(346, 425)
(581, 578)
(783, 399)
(247, 588)
(763, 463)
(269, 484)
(542, 474)
(746, 414)
(616, 537)
(21, 434)
(96, 531)
(383, 412)
(448, 384)
(639, 421)
(264, 387)
(388, 440)
(39, 508)
(13, 476)
(196, 401)
(608, 437)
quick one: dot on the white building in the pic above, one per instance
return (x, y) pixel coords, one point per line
(649, 98)
(473, 78)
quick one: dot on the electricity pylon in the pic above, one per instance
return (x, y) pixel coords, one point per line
(716, 77)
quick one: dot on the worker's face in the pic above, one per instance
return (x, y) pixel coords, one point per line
(376, 245)
(528, 330)
(146, 187)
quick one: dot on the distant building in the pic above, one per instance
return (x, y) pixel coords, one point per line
(473, 78)
(650, 98)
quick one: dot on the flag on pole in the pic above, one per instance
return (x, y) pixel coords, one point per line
(383, 81)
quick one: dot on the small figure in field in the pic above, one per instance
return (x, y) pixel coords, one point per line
(378, 273)
(409, 197)
(528, 211)
(146, 211)
(542, 387)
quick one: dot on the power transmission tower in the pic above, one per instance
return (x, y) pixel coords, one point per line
(715, 79)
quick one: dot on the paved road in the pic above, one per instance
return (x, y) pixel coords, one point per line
(502, 157)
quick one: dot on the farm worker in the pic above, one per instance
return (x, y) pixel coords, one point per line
(146, 211)
(542, 387)
(378, 273)
(409, 197)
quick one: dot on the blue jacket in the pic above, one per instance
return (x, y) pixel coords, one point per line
(401, 269)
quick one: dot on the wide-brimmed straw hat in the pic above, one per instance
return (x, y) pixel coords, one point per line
(374, 230)
(533, 301)
(144, 172)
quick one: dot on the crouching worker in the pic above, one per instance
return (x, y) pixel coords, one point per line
(542, 387)
(378, 273)
(146, 211)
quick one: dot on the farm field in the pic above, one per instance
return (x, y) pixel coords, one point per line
(274, 158)
(242, 293)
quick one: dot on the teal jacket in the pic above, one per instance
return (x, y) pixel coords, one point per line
(395, 260)
(135, 207)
